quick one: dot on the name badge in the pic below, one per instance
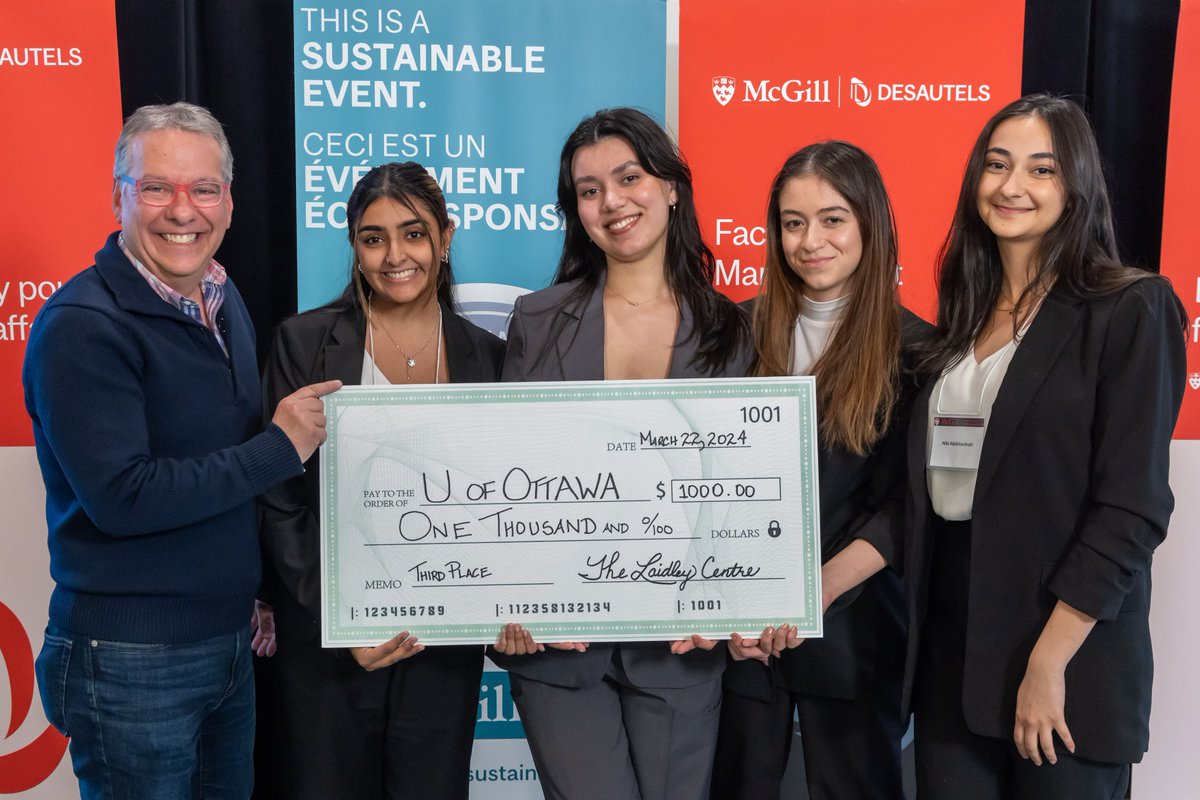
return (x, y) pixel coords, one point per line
(957, 442)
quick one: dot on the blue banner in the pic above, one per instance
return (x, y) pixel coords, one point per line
(497, 717)
(482, 93)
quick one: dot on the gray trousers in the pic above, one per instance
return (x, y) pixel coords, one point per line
(616, 741)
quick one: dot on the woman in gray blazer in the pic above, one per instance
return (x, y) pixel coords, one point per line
(632, 299)
(1038, 462)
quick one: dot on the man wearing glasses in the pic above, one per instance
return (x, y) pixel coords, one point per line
(141, 379)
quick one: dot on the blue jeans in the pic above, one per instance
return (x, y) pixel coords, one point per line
(168, 722)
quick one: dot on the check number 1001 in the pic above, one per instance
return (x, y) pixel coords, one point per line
(682, 606)
(757, 414)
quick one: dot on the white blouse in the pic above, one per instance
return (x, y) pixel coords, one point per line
(968, 388)
(372, 375)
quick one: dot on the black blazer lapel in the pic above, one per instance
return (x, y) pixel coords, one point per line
(343, 354)
(461, 356)
(918, 433)
(1045, 339)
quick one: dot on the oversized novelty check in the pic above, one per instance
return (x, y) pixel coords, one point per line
(591, 511)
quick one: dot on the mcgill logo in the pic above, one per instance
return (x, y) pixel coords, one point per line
(722, 89)
(792, 90)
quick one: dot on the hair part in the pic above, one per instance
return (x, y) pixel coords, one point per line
(175, 116)
(410, 185)
(857, 376)
(718, 326)
(1079, 252)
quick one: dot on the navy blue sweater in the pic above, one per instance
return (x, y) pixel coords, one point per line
(152, 451)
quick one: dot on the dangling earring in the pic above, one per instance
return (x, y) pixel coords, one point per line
(446, 256)
(359, 266)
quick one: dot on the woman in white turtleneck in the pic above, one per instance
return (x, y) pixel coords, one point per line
(829, 308)
(815, 324)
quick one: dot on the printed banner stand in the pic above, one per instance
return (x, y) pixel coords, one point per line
(481, 94)
(62, 105)
(1181, 235)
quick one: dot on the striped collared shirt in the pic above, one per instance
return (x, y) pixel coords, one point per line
(212, 293)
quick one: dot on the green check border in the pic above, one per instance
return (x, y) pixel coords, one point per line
(799, 389)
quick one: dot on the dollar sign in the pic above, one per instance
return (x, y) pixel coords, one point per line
(661, 493)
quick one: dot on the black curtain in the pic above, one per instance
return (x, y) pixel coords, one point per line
(1116, 58)
(235, 58)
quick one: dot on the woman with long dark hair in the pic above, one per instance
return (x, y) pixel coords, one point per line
(1038, 459)
(394, 720)
(829, 308)
(632, 298)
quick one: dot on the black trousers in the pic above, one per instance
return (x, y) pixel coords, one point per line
(851, 746)
(401, 732)
(953, 762)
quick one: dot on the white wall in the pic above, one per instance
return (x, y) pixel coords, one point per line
(1168, 771)
(25, 588)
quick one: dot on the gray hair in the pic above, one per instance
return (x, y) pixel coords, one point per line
(176, 116)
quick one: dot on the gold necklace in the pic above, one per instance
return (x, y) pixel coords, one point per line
(410, 361)
(640, 302)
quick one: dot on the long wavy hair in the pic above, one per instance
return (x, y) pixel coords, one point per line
(1079, 252)
(717, 324)
(410, 185)
(858, 374)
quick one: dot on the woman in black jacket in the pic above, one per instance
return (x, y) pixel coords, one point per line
(1038, 461)
(386, 721)
(829, 308)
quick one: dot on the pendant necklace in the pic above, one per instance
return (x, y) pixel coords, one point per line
(410, 361)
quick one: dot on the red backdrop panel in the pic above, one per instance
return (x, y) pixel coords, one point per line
(910, 82)
(62, 111)
(1181, 234)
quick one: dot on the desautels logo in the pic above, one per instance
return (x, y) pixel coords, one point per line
(862, 94)
(27, 766)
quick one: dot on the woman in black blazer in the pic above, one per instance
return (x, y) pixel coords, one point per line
(632, 298)
(386, 721)
(829, 308)
(1038, 477)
